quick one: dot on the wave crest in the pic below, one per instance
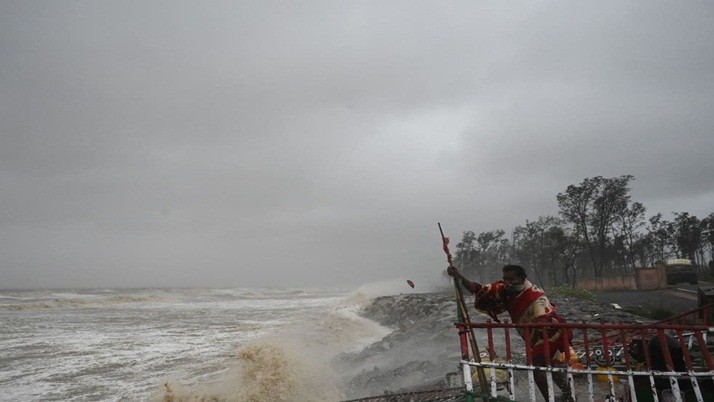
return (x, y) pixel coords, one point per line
(82, 302)
(264, 372)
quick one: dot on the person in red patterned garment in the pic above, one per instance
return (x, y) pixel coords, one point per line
(525, 303)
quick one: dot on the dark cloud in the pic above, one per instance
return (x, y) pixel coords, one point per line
(265, 143)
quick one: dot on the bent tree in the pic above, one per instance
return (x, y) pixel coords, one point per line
(593, 207)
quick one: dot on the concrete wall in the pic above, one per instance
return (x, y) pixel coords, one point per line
(618, 282)
(642, 279)
(650, 278)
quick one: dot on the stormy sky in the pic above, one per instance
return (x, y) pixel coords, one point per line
(315, 144)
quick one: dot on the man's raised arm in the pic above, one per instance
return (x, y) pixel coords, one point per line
(471, 286)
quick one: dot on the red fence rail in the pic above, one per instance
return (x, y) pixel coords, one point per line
(669, 357)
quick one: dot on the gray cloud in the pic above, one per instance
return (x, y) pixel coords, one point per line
(265, 143)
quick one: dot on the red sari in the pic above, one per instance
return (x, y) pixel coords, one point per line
(530, 305)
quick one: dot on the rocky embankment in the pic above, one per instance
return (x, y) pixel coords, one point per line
(424, 345)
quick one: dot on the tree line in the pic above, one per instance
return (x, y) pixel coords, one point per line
(599, 232)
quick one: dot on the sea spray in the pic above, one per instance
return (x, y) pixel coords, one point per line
(263, 372)
(365, 293)
(292, 362)
(274, 373)
(124, 344)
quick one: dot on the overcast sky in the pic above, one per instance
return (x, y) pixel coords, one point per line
(237, 144)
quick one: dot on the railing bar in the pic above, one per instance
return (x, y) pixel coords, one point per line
(703, 309)
(586, 371)
(685, 350)
(529, 360)
(664, 346)
(606, 354)
(591, 392)
(705, 351)
(628, 365)
(610, 340)
(548, 374)
(509, 359)
(565, 334)
(580, 326)
(467, 376)
(491, 354)
(493, 382)
(702, 340)
(531, 385)
(690, 367)
(489, 331)
(648, 363)
(706, 306)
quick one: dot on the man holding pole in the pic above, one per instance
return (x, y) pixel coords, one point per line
(525, 303)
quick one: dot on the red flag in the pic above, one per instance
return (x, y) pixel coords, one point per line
(446, 245)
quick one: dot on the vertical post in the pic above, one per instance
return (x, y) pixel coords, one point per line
(489, 332)
(529, 360)
(690, 368)
(564, 335)
(509, 359)
(705, 352)
(670, 365)
(628, 366)
(648, 362)
(463, 341)
(588, 361)
(606, 355)
(491, 355)
(548, 363)
(468, 382)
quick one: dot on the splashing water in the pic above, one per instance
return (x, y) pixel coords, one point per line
(265, 372)
(176, 345)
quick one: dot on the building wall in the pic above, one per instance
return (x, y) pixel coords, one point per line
(642, 279)
(650, 278)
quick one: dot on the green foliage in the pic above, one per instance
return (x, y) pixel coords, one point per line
(600, 231)
(482, 256)
(594, 207)
(572, 291)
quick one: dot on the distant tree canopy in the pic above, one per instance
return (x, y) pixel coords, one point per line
(600, 231)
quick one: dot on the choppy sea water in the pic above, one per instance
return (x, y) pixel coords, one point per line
(176, 344)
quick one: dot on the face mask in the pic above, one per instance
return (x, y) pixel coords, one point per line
(519, 288)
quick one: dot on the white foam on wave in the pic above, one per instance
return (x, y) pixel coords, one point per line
(73, 295)
(291, 363)
(262, 371)
(62, 300)
(143, 337)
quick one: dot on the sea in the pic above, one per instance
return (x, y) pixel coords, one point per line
(178, 344)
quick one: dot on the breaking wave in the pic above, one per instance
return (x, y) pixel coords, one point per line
(182, 344)
(263, 372)
(292, 363)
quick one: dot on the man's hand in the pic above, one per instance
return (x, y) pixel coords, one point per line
(453, 272)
